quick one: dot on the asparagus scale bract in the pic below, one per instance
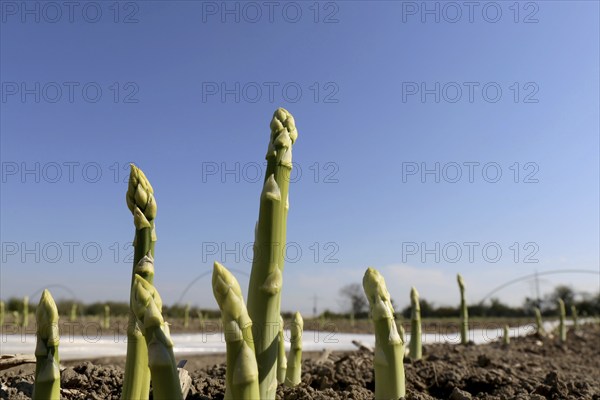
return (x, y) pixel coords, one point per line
(415, 347)
(294, 370)
(141, 203)
(389, 347)
(562, 327)
(264, 292)
(241, 376)
(47, 373)
(464, 312)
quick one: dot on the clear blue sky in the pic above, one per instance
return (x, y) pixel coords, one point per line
(363, 129)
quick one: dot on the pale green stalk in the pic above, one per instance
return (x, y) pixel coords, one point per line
(464, 312)
(506, 336)
(47, 372)
(562, 328)
(201, 319)
(1, 314)
(415, 346)
(264, 291)
(141, 203)
(25, 312)
(106, 316)
(186, 316)
(294, 370)
(352, 322)
(281, 357)
(574, 316)
(73, 316)
(147, 307)
(241, 376)
(389, 346)
(16, 318)
(538, 322)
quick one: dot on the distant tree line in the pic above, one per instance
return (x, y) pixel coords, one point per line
(355, 303)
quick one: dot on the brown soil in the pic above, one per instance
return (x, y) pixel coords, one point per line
(529, 368)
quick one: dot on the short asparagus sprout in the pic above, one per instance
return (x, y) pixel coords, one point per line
(201, 318)
(106, 323)
(73, 316)
(538, 322)
(186, 316)
(389, 347)
(294, 371)
(415, 347)
(47, 373)
(25, 312)
(574, 316)
(506, 336)
(281, 357)
(16, 317)
(1, 314)
(464, 312)
(241, 376)
(141, 203)
(562, 328)
(147, 307)
(266, 279)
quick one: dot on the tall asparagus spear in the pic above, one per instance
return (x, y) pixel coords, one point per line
(389, 347)
(241, 375)
(47, 373)
(416, 350)
(574, 316)
(141, 203)
(294, 371)
(1, 314)
(464, 312)
(264, 293)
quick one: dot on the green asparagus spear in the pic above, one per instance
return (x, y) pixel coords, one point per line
(147, 307)
(389, 347)
(562, 328)
(47, 373)
(264, 292)
(464, 312)
(294, 371)
(574, 316)
(538, 322)
(186, 316)
(1, 314)
(416, 350)
(25, 312)
(106, 316)
(73, 316)
(506, 336)
(281, 357)
(141, 203)
(16, 318)
(242, 372)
